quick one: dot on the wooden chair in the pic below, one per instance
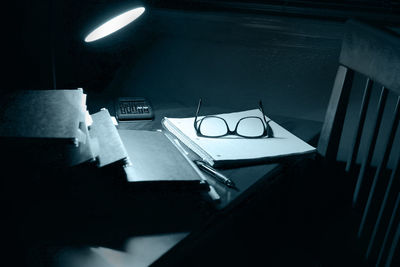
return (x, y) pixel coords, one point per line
(371, 139)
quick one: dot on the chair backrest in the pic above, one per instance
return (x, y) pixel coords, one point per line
(374, 55)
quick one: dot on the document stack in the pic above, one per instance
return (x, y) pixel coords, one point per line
(235, 151)
(54, 127)
(51, 131)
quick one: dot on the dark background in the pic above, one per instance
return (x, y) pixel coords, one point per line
(230, 53)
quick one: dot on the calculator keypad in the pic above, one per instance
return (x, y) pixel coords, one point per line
(133, 108)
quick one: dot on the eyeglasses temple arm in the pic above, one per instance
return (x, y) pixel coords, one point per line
(197, 113)
(269, 129)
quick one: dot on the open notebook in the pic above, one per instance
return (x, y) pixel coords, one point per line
(233, 150)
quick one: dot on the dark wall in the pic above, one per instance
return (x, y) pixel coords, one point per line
(43, 46)
(231, 53)
(233, 60)
(25, 52)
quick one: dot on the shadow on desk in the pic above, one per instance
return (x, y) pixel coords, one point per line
(96, 224)
(278, 228)
(73, 210)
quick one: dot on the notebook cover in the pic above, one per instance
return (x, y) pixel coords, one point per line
(154, 157)
(42, 114)
(110, 147)
(44, 127)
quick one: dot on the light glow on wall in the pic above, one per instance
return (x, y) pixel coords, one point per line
(114, 24)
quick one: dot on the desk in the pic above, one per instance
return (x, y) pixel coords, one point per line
(168, 247)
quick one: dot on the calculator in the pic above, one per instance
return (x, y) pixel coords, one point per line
(133, 108)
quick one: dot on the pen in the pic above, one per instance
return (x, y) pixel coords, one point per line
(218, 176)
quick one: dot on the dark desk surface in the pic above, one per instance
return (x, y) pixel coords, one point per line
(146, 249)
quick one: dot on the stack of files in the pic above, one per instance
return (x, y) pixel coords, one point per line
(45, 126)
(231, 151)
(54, 127)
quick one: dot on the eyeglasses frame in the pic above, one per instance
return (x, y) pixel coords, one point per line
(267, 128)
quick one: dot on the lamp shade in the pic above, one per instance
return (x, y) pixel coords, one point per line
(108, 25)
(114, 24)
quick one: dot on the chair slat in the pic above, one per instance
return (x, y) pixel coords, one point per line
(360, 126)
(389, 229)
(371, 147)
(393, 247)
(382, 166)
(373, 52)
(388, 192)
(333, 125)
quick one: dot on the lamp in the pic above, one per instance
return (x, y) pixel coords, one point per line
(127, 108)
(98, 39)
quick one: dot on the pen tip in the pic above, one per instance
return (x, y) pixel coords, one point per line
(230, 183)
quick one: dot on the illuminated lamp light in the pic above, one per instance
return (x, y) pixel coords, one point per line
(114, 24)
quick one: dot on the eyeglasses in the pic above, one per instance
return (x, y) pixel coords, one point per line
(248, 127)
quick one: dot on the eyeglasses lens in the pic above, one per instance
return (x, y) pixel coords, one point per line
(213, 127)
(250, 127)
